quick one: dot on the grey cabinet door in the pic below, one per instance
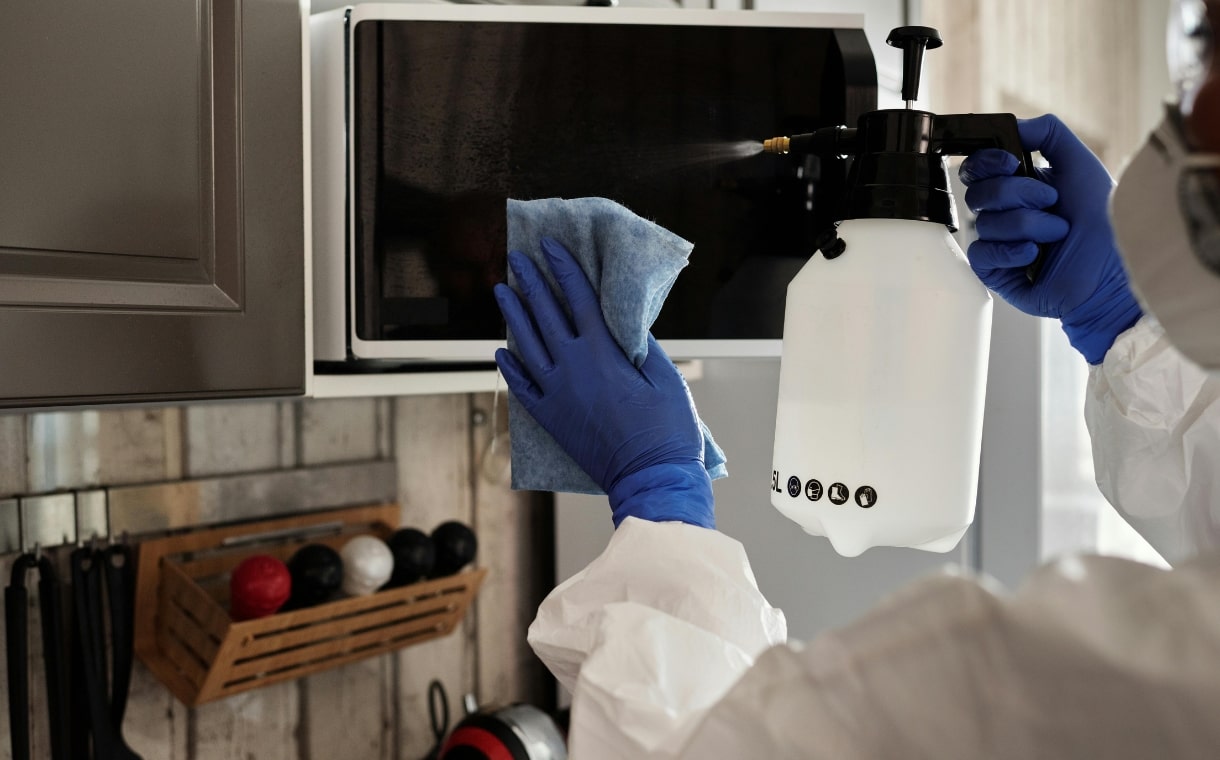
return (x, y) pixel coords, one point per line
(151, 200)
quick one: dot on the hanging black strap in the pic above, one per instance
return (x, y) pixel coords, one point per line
(119, 563)
(120, 586)
(17, 640)
(16, 615)
(80, 694)
(87, 588)
(53, 656)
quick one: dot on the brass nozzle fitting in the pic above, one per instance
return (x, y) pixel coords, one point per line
(776, 145)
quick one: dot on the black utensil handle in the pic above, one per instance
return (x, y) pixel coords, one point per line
(87, 587)
(16, 618)
(80, 693)
(97, 622)
(438, 717)
(53, 654)
(120, 582)
(119, 569)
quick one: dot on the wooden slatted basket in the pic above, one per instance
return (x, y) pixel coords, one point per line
(186, 638)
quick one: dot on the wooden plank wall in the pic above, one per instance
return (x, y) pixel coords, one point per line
(1079, 59)
(376, 708)
(1100, 66)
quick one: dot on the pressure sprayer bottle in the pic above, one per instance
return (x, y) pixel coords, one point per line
(886, 335)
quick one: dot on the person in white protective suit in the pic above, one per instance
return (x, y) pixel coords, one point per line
(671, 651)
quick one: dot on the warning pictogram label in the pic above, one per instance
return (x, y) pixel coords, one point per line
(813, 490)
(838, 493)
(794, 486)
(866, 496)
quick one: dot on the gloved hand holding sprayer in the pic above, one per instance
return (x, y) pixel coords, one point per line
(1064, 208)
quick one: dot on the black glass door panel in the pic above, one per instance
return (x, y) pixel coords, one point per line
(453, 118)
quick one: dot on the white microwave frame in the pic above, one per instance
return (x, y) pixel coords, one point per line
(332, 101)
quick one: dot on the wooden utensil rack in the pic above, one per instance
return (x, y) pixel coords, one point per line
(185, 636)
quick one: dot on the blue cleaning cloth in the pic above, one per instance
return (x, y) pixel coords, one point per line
(631, 263)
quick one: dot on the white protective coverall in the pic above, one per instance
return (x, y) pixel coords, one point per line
(671, 651)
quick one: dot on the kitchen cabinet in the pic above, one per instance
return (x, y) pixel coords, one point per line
(152, 201)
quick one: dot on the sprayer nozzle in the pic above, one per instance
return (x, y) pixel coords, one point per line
(776, 145)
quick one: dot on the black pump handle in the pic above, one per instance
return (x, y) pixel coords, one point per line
(913, 41)
(962, 134)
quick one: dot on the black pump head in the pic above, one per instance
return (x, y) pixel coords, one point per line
(898, 155)
(913, 41)
(898, 168)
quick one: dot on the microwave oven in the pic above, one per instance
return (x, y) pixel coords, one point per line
(427, 118)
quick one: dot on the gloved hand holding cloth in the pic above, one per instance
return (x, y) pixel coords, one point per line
(1082, 281)
(632, 429)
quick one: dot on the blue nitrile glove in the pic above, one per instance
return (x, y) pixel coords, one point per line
(1082, 282)
(634, 431)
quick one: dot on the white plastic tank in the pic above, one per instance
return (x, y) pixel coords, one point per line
(884, 367)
